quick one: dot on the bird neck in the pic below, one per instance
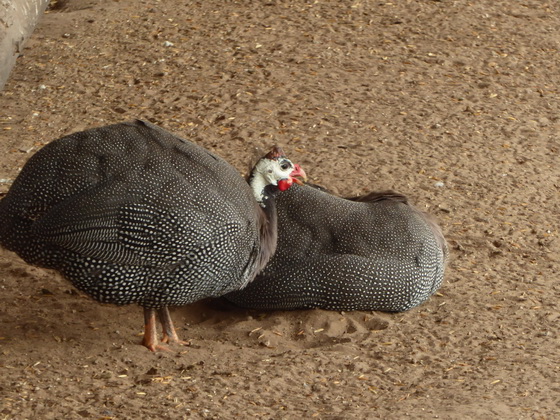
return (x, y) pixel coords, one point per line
(265, 196)
(268, 230)
(263, 191)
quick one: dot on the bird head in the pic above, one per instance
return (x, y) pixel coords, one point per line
(272, 171)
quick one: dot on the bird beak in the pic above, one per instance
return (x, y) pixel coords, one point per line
(298, 172)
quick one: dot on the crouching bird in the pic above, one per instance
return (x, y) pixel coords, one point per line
(373, 252)
(130, 213)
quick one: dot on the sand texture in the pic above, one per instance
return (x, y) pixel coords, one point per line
(455, 104)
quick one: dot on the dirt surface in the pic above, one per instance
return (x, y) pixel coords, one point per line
(453, 103)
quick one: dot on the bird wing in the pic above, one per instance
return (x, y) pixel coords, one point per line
(379, 196)
(110, 222)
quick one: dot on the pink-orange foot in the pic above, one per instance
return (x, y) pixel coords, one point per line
(169, 333)
(150, 339)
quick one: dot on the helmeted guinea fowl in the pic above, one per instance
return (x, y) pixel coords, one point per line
(374, 252)
(130, 213)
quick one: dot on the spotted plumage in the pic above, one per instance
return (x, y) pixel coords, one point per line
(375, 252)
(130, 213)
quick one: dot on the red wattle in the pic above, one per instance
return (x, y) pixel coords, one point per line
(284, 184)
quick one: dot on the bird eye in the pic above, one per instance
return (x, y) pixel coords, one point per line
(285, 165)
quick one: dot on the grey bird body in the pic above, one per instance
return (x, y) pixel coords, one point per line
(132, 214)
(375, 252)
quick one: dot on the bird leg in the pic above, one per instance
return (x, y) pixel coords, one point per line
(169, 333)
(150, 329)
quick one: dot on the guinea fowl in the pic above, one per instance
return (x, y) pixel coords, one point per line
(130, 213)
(374, 252)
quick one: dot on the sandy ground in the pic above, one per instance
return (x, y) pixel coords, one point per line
(454, 103)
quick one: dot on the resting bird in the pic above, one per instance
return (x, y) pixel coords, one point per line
(374, 252)
(130, 213)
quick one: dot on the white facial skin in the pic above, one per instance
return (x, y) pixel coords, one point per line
(269, 172)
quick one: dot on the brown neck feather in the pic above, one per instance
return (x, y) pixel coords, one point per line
(267, 224)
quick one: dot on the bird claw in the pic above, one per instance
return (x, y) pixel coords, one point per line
(153, 345)
(157, 347)
(167, 339)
